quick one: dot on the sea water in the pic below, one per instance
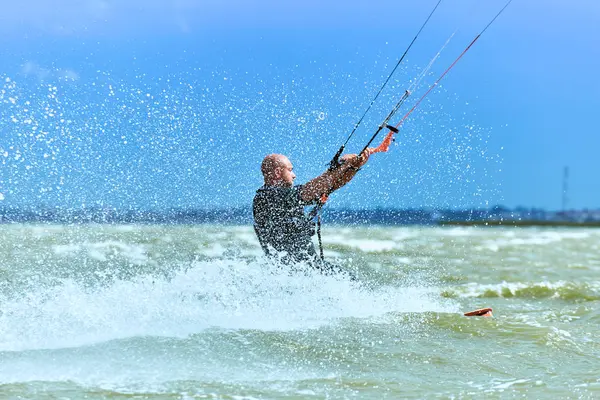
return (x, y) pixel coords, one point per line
(196, 312)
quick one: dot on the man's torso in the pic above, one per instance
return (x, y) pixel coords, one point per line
(280, 222)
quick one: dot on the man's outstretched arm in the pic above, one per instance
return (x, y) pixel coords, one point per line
(332, 180)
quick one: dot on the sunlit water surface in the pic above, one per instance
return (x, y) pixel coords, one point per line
(194, 312)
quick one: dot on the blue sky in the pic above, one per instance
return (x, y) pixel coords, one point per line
(155, 104)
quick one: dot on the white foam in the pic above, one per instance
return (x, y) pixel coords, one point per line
(228, 294)
(508, 383)
(248, 237)
(476, 289)
(531, 238)
(402, 235)
(214, 250)
(102, 251)
(460, 231)
(365, 245)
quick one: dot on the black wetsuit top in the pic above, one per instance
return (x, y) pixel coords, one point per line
(281, 225)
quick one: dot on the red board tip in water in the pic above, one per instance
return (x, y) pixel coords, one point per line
(482, 312)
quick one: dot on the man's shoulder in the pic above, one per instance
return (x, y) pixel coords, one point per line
(278, 190)
(278, 193)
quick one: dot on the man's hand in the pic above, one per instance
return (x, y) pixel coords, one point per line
(354, 161)
(364, 156)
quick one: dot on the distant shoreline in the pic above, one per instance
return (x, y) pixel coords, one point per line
(523, 223)
(497, 216)
(474, 224)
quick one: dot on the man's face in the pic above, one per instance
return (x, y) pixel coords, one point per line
(286, 173)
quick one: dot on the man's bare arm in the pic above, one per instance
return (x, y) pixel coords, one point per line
(332, 180)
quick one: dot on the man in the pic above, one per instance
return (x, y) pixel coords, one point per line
(280, 223)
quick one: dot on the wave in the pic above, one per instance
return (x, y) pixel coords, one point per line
(563, 290)
(531, 239)
(227, 294)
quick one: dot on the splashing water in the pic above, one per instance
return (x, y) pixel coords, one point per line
(225, 294)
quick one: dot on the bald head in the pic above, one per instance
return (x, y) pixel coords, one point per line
(271, 162)
(277, 170)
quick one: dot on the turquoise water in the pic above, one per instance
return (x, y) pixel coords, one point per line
(194, 312)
